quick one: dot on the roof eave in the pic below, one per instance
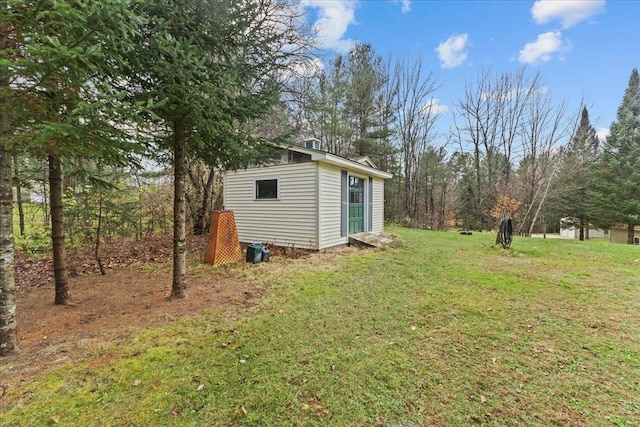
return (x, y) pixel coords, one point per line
(349, 164)
(335, 160)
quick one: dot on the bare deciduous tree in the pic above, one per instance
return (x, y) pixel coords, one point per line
(545, 128)
(502, 121)
(416, 117)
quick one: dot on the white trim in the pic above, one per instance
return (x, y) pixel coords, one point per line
(332, 159)
(365, 200)
(266, 178)
(365, 181)
(318, 206)
(365, 160)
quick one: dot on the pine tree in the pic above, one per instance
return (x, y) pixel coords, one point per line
(326, 109)
(66, 91)
(210, 68)
(617, 174)
(366, 79)
(576, 176)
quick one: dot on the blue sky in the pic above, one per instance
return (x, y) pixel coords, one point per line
(582, 48)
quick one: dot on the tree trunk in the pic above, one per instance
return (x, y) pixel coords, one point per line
(18, 194)
(526, 215)
(443, 211)
(46, 196)
(57, 232)
(218, 202)
(8, 337)
(96, 252)
(477, 197)
(542, 201)
(581, 238)
(199, 225)
(630, 233)
(179, 216)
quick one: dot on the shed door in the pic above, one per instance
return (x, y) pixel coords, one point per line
(356, 205)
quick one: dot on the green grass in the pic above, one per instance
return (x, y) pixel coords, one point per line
(37, 236)
(443, 330)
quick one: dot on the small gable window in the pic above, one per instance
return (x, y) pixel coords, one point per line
(266, 189)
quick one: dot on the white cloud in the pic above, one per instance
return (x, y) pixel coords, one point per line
(434, 107)
(307, 68)
(406, 5)
(334, 17)
(452, 51)
(543, 48)
(568, 12)
(603, 133)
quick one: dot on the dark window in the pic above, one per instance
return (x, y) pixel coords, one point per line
(266, 188)
(356, 194)
(356, 197)
(295, 157)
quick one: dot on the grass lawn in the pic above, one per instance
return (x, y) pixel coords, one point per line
(443, 330)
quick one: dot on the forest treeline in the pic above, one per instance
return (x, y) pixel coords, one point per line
(118, 118)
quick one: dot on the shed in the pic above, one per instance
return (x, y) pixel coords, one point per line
(570, 231)
(619, 233)
(309, 199)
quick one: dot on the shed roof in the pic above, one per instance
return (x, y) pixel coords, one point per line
(361, 164)
(621, 226)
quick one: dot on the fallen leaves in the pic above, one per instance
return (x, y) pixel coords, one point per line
(237, 412)
(118, 252)
(312, 404)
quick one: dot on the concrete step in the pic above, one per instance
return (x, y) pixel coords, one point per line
(370, 239)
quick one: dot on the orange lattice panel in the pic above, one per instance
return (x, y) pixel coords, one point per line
(223, 246)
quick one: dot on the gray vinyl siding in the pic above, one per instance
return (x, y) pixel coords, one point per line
(330, 207)
(307, 213)
(378, 206)
(291, 220)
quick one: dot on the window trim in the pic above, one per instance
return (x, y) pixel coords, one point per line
(369, 193)
(344, 203)
(267, 178)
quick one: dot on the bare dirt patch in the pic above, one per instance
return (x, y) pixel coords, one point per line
(132, 296)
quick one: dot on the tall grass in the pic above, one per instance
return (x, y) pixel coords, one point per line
(443, 330)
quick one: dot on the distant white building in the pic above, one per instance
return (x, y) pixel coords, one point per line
(37, 198)
(571, 232)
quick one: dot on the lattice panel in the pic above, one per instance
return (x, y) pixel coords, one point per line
(223, 246)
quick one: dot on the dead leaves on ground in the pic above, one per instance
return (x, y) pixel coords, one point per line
(117, 252)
